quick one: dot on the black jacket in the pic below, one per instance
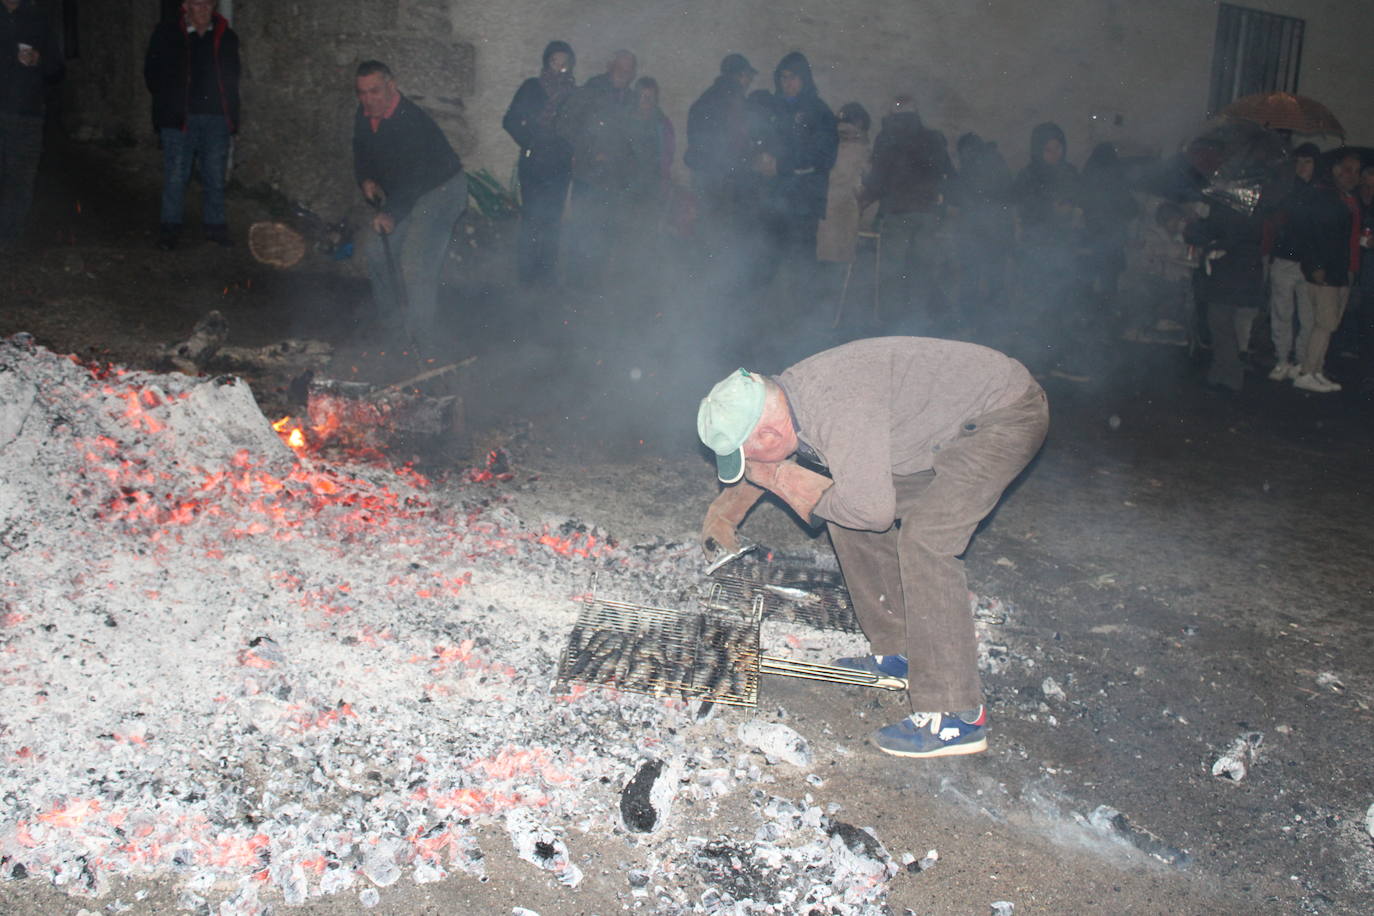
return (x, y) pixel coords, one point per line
(806, 142)
(167, 72)
(22, 89)
(409, 156)
(1323, 222)
(910, 166)
(718, 131)
(543, 152)
(1237, 277)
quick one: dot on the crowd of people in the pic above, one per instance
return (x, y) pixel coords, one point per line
(786, 198)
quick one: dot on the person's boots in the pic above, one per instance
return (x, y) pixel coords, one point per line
(219, 234)
(167, 236)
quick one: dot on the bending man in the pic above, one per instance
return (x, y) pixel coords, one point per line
(920, 437)
(405, 167)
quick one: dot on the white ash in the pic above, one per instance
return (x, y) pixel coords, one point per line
(268, 678)
(776, 740)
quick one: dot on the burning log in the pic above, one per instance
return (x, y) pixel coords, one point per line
(358, 416)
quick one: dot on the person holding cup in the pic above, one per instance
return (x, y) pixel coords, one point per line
(30, 62)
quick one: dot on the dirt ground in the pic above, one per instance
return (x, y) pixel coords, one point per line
(1182, 569)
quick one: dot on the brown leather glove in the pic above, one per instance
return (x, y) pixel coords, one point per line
(724, 516)
(793, 484)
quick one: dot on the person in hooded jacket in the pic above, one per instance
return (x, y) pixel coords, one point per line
(1047, 197)
(545, 165)
(31, 62)
(192, 70)
(797, 166)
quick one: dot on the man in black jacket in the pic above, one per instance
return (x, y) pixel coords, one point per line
(406, 168)
(1326, 225)
(192, 70)
(30, 61)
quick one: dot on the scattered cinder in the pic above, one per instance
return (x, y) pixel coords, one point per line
(1242, 752)
(540, 846)
(1331, 681)
(646, 801)
(776, 740)
(1051, 689)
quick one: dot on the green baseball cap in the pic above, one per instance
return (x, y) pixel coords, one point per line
(726, 418)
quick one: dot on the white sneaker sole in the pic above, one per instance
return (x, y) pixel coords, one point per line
(951, 750)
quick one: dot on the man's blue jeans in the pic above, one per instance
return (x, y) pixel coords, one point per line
(418, 247)
(206, 137)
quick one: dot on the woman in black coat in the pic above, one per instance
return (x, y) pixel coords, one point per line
(545, 162)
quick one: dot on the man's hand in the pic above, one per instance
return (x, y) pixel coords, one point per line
(726, 512)
(766, 165)
(793, 484)
(372, 192)
(28, 56)
(1319, 276)
(383, 224)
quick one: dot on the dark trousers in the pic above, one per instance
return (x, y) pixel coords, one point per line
(542, 198)
(908, 583)
(21, 146)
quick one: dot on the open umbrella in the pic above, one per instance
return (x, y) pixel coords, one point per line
(1285, 111)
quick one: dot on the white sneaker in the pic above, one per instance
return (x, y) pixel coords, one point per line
(1312, 382)
(1282, 371)
(1330, 385)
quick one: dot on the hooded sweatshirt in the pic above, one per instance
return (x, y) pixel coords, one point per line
(1041, 187)
(532, 117)
(806, 144)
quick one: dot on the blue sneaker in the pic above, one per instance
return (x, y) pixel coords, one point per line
(935, 734)
(881, 665)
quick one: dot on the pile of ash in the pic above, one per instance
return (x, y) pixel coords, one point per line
(267, 678)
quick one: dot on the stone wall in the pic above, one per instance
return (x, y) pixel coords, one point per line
(298, 63)
(1129, 72)
(299, 60)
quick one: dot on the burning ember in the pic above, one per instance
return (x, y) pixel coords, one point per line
(228, 663)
